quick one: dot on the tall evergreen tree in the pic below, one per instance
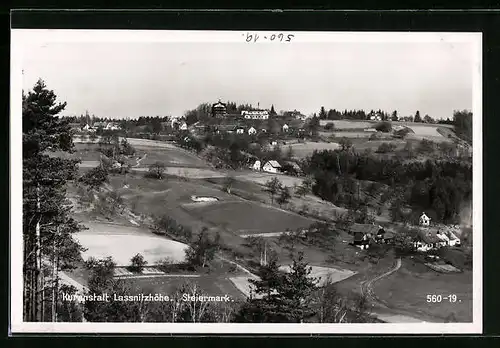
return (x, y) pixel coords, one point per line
(280, 297)
(417, 117)
(272, 112)
(47, 222)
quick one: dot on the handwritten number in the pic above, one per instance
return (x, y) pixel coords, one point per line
(255, 37)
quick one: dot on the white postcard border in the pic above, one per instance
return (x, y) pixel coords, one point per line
(23, 38)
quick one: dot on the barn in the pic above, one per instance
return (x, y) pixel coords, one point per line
(364, 233)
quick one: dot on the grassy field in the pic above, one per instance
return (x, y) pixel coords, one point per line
(261, 178)
(348, 124)
(302, 150)
(408, 289)
(248, 217)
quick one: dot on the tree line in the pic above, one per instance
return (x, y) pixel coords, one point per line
(437, 186)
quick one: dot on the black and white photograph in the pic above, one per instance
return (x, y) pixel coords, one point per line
(246, 182)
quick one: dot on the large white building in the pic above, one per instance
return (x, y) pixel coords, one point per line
(255, 114)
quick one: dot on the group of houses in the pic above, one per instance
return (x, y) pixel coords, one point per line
(240, 129)
(427, 238)
(271, 166)
(219, 110)
(100, 125)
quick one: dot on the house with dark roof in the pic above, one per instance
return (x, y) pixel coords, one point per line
(363, 234)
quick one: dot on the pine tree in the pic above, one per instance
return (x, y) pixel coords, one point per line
(417, 117)
(272, 112)
(47, 225)
(280, 297)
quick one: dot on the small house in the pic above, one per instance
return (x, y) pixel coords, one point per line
(183, 126)
(240, 130)
(364, 233)
(272, 167)
(424, 220)
(256, 165)
(384, 237)
(285, 128)
(252, 131)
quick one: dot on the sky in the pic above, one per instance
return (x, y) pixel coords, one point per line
(120, 79)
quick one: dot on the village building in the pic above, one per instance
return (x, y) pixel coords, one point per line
(384, 237)
(424, 220)
(285, 128)
(256, 165)
(252, 131)
(240, 130)
(363, 234)
(219, 109)
(271, 167)
(255, 114)
(183, 126)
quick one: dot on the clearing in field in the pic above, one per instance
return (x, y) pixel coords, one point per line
(247, 217)
(122, 243)
(301, 150)
(321, 273)
(261, 178)
(325, 274)
(348, 124)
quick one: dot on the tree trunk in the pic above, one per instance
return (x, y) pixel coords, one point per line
(54, 278)
(38, 270)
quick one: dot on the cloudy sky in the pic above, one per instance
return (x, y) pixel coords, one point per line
(134, 79)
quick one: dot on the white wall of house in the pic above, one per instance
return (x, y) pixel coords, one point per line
(256, 165)
(269, 168)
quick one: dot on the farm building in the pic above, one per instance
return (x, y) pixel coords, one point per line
(271, 167)
(431, 239)
(424, 220)
(364, 233)
(385, 237)
(256, 165)
(428, 240)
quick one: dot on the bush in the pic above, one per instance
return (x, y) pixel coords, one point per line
(402, 132)
(95, 177)
(156, 171)
(384, 127)
(386, 147)
(137, 263)
(329, 126)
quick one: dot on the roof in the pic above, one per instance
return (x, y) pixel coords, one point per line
(388, 235)
(364, 228)
(274, 164)
(428, 236)
(219, 104)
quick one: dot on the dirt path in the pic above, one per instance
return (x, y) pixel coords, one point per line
(381, 309)
(140, 159)
(367, 285)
